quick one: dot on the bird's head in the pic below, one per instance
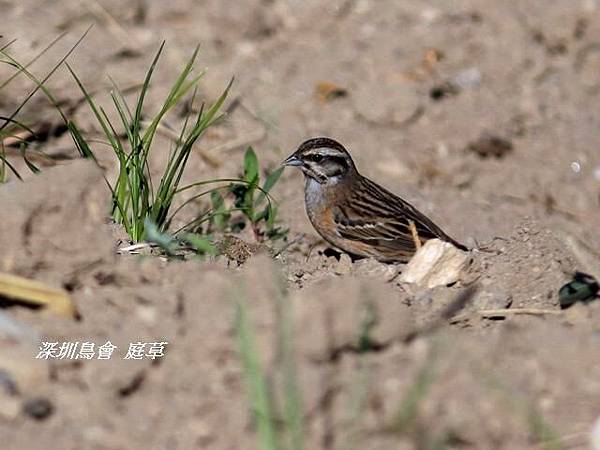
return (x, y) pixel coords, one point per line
(322, 159)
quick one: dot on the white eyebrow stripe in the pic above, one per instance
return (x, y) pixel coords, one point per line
(326, 151)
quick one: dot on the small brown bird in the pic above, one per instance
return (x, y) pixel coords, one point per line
(355, 214)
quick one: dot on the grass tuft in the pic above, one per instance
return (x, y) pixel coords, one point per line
(139, 201)
(134, 199)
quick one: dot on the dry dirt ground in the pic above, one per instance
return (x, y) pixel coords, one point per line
(423, 81)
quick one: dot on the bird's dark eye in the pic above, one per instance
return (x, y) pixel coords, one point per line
(316, 157)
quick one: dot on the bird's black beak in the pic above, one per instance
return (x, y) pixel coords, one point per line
(293, 161)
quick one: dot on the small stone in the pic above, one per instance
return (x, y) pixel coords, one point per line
(437, 263)
(38, 407)
(344, 266)
(467, 78)
(490, 145)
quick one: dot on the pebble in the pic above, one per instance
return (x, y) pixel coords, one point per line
(344, 266)
(39, 408)
(467, 78)
(490, 145)
(437, 263)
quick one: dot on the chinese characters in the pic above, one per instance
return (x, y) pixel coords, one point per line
(88, 350)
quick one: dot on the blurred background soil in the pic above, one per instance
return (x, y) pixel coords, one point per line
(482, 113)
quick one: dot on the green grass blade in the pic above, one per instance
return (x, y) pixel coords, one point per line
(17, 124)
(120, 208)
(201, 244)
(250, 165)
(258, 393)
(8, 44)
(271, 181)
(29, 164)
(82, 145)
(32, 60)
(202, 219)
(202, 183)
(40, 84)
(209, 118)
(171, 100)
(137, 118)
(119, 104)
(5, 164)
(99, 117)
(163, 240)
(218, 206)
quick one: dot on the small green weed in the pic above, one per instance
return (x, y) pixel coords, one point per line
(135, 200)
(173, 246)
(252, 200)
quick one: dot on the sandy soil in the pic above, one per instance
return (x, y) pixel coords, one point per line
(424, 81)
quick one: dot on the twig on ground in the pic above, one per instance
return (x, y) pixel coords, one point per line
(515, 311)
(133, 249)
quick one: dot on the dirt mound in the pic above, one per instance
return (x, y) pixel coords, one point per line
(54, 225)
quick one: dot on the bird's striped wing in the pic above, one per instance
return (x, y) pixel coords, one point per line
(379, 218)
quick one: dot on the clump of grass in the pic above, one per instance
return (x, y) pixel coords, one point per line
(134, 199)
(135, 202)
(138, 200)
